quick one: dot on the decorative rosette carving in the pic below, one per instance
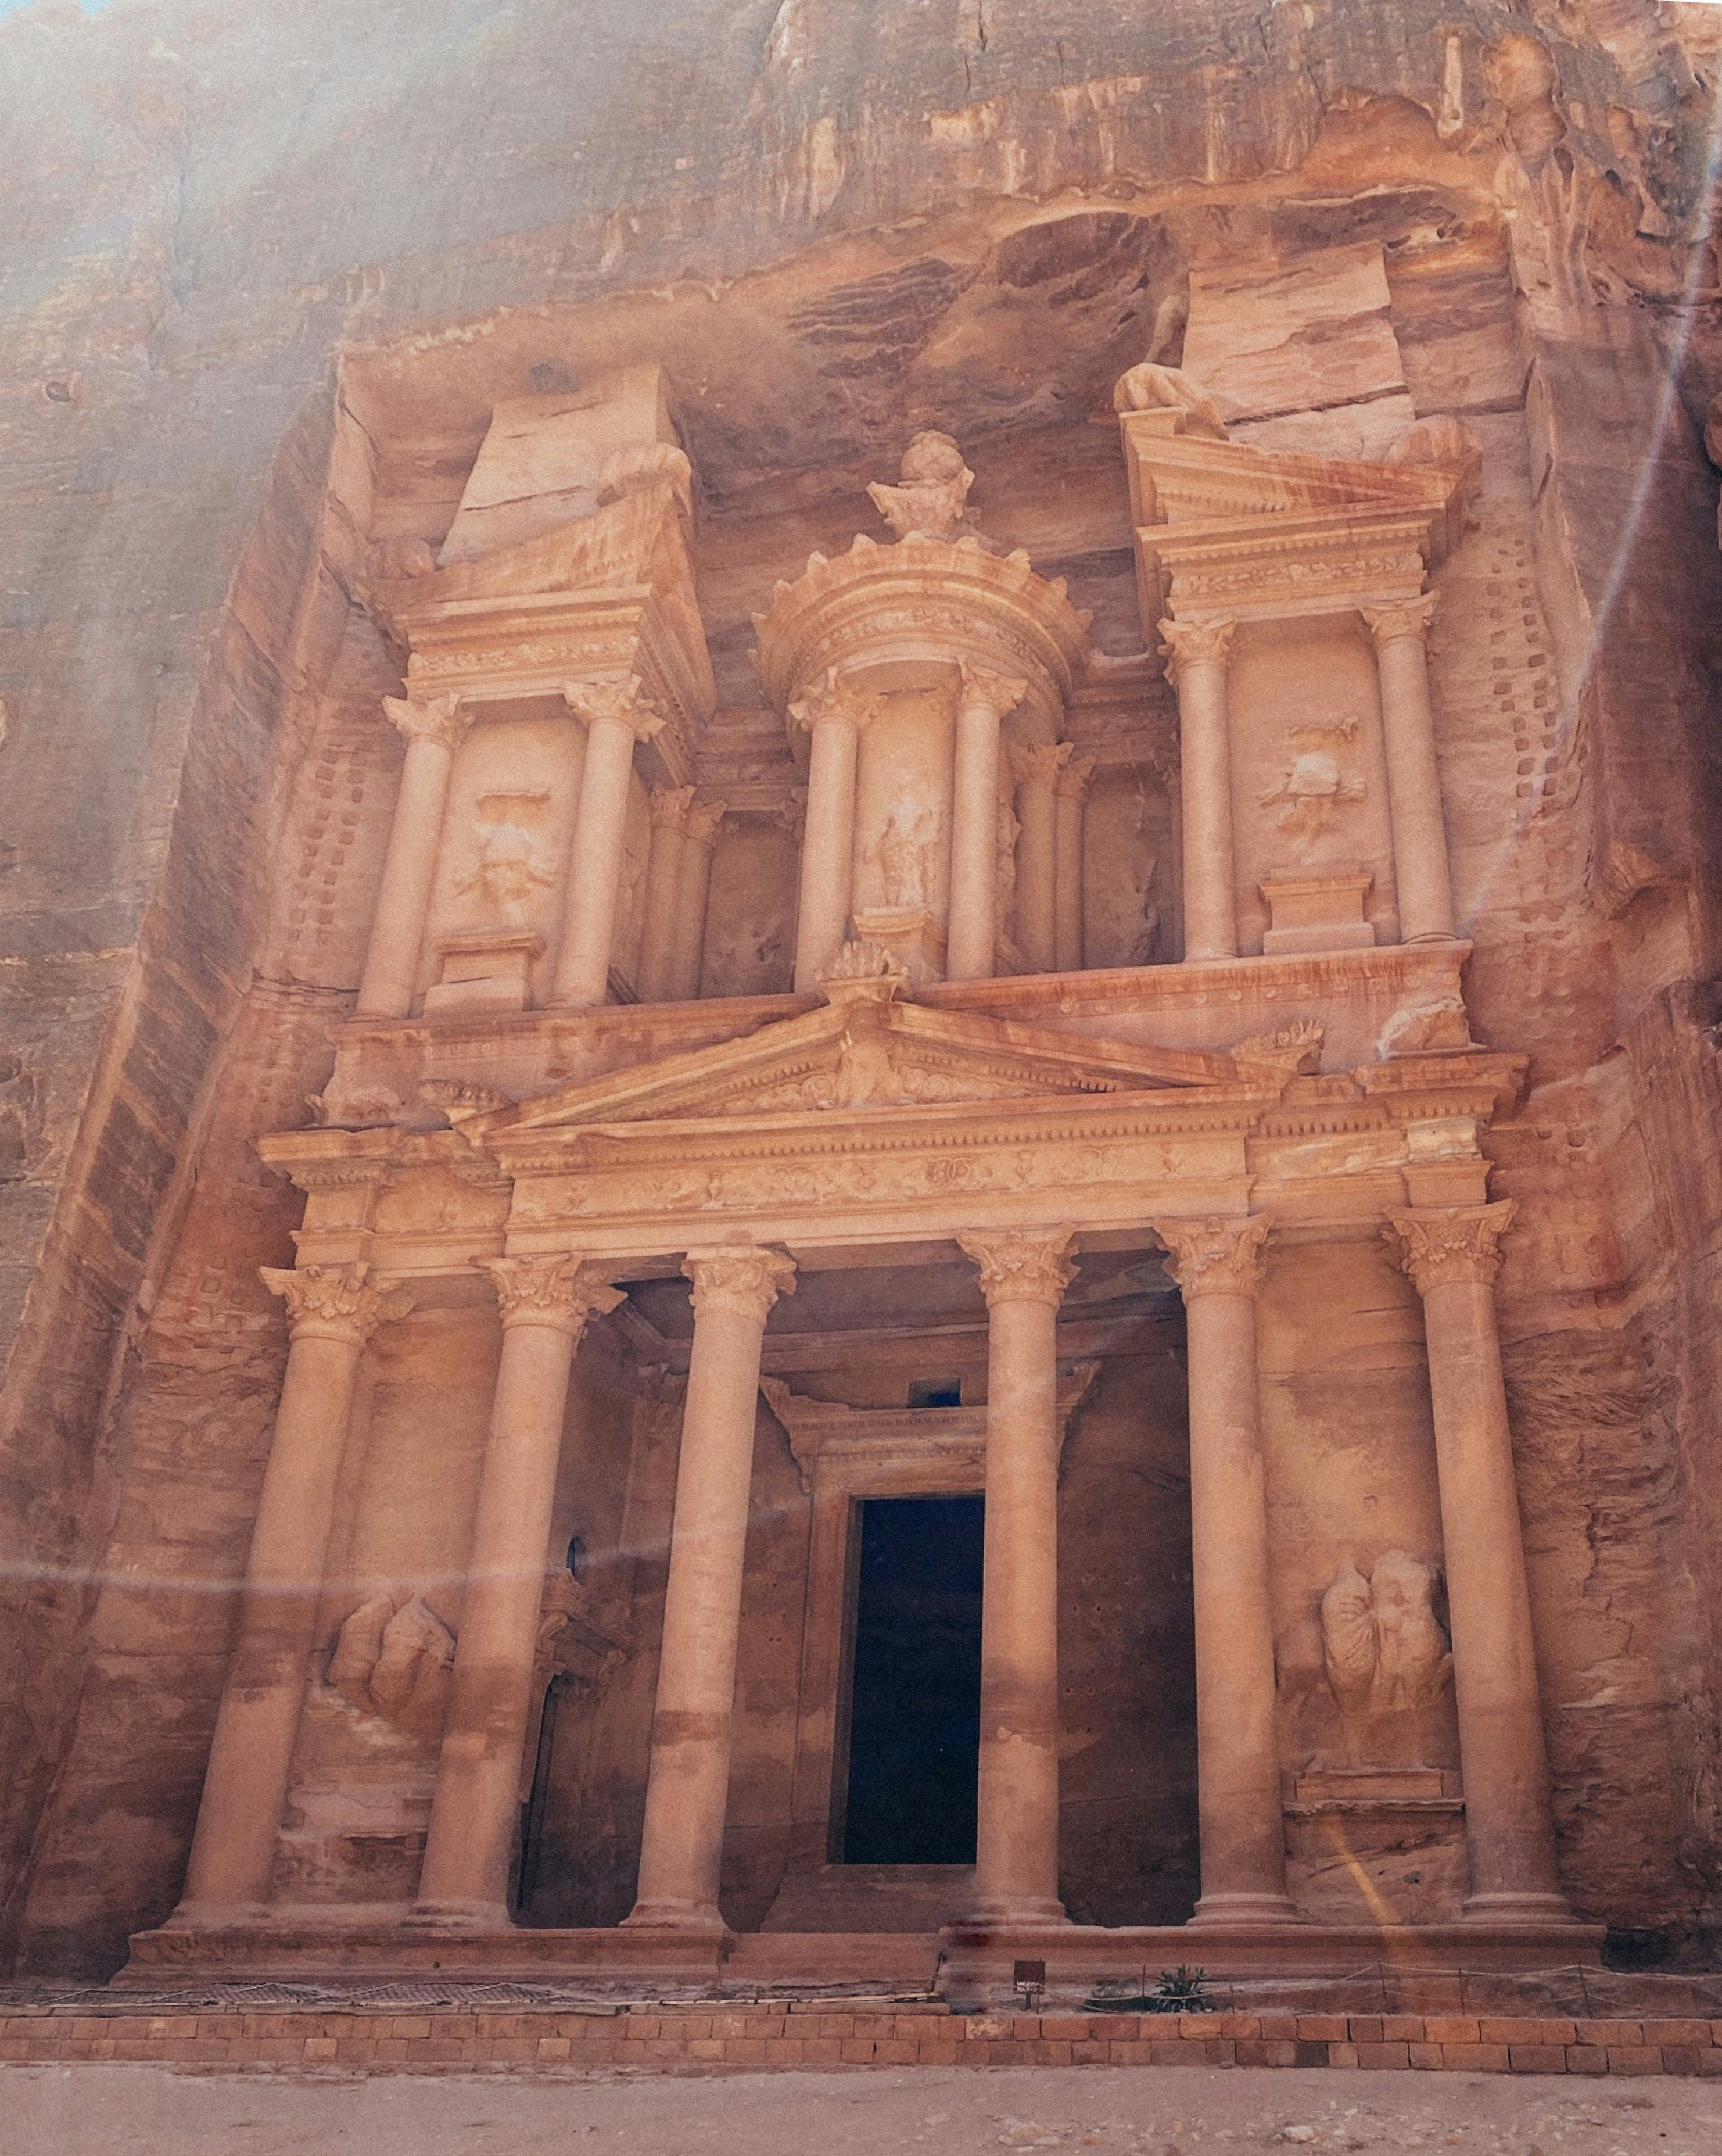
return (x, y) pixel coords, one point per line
(1440, 1245)
(559, 1290)
(1022, 1265)
(744, 1282)
(1215, 1256)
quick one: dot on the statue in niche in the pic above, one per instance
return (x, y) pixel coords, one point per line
(394, 1657)
(511, 864)
(930, 500)
(903, 847)
(1316, 783)
(1384, 1653)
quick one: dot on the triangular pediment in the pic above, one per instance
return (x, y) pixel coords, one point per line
(863, 1054)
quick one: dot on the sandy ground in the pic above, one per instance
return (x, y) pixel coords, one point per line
(1168, 2111)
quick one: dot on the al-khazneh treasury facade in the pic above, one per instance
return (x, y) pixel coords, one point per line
(1115, 1078)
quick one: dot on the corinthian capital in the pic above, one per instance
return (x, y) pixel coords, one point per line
(1074, 775)
(1389, 619)
(1195, 643)
(438, 719)
(616, 702)
(1022, 1265)
(1216, 1256)
(984, 689)
(1437, 1245)
(559, 1290)
(1044, 765)
(669, 806)
(834, 701)
(745, 1282)
(703, 820)
(333, 1302)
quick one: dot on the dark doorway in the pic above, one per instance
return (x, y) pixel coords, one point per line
(915, 1720)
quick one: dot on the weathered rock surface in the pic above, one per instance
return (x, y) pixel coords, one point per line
(266, 269)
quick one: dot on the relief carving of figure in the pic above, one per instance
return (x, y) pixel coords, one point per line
(904, 846)
(511, 864)
(1151, 388)
(1383, 1650)
(394, 1657)
(1316, 782)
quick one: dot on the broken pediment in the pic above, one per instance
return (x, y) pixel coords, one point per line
(870, 1051)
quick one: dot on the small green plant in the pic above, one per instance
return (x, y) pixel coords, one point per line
(1180, 1991)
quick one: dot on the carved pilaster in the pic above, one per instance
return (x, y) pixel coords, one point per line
(745, 1282)
(1215, 1256)
(1439, 1244)
(1195, 643)
(334, 1303)
(1390, 618)
(1022, 1265)
(439, 720)
(560, 1292)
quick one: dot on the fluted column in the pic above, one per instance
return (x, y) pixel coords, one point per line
(331, 1312)
(687, 1789)
(546, 1303)
(616, 716)
(1217, 1264)
(433, 728)
(833, 716)
(972, 930)
(1199, 653)
(663, 889)
(1023, 1276)
(1452, 1253)
(699, 835)
(1067, 908)
(1037, 771)
(1400, 629)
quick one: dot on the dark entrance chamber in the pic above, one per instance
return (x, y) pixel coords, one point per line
(915, 1720)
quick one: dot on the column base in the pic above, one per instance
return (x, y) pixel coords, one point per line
(674, 1916)
(1016, 1914)
(1246, 1909)
(459, 1916)
(217, 1916)
(1516, 1909)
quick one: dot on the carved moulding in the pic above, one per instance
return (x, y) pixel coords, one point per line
(860, 1449)
(921, 605)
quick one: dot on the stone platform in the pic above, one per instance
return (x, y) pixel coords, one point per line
(971, 1964)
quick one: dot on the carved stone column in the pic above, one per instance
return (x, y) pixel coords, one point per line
(1037, 771)
(546, 1303)
(1400, 628)
(616, 717)
(1217, 1267)
(664, 890)
(972, 930)
(687, 1789)
(1066, 910)
(432, 730)
(1452, 1253)
(1023, 1277)
(699, 835)
(833, 716)
(332, 1311)
(1199, 652)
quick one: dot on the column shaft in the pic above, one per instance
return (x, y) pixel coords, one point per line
(245, 1784)
(1451, 1255)
(1067, 927)
(972, 930)
(1016, 1827)
(663, 892)
(1420, 859)
(391, 975)
(1200, 651)
(693, 897)
(687, 1789)
(1038, 856)
(582, 974)
(829, 847)
(1216, 1265)
(546, 1303)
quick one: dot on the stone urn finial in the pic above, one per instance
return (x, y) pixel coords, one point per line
(930, 500)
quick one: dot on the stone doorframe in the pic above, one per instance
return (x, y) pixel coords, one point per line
(845, 1455)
